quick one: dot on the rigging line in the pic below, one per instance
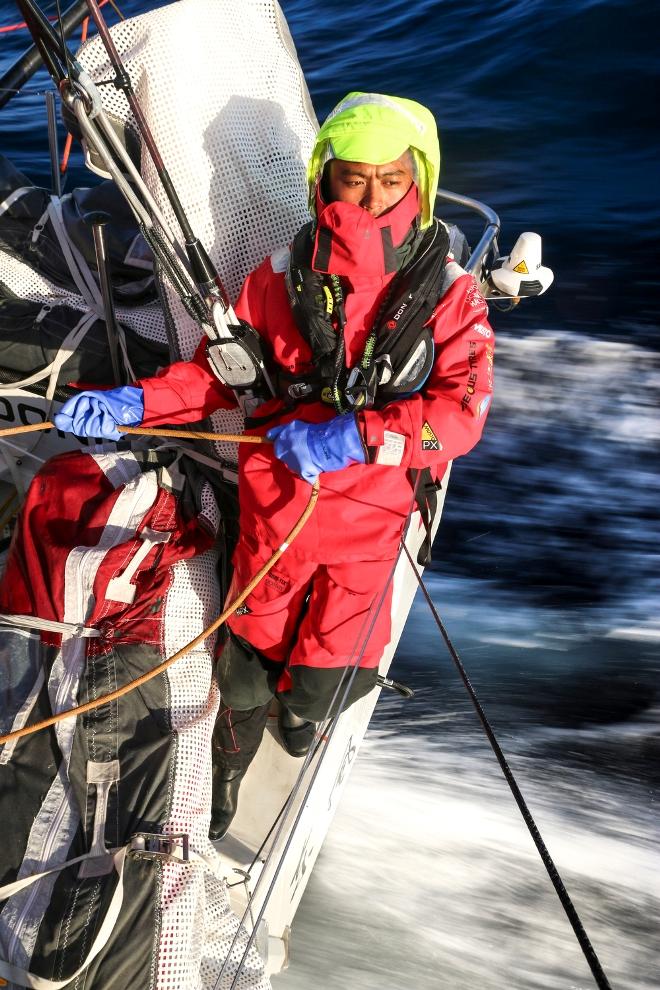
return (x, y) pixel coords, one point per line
(65, 49)
(353, 666)
(40, 29)
(25, 92)
(136, 194)
(278, 816)
(115, 8)
(553, 873)
(68, 143)
(165, 252)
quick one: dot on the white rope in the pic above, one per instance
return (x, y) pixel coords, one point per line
(15, 974)
(115, 858)
(80, 270)
(49, 625)
(12, 197)
(106, 126)
(66, 350)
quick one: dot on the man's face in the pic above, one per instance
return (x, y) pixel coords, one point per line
(376, 188)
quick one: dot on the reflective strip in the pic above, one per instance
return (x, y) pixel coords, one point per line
(102, 776)
(67, 348)
(78, 267)
(12, 197)
(22, 715)
(120, 588)
(375, 99)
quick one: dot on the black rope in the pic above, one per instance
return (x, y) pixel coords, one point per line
(67, 53)
(562, 893)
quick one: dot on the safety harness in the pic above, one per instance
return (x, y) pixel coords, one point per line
(399, 351)
(398, 354)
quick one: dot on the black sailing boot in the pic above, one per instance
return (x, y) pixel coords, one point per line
(224, 799)
(296, 733)
(236, 738)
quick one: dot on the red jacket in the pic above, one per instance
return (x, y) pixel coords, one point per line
(361, 508)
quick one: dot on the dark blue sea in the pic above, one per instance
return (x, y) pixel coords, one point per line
(546, 564)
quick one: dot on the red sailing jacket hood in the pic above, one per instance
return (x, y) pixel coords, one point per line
(350, 241)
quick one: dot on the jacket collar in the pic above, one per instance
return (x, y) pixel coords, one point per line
(349, 241)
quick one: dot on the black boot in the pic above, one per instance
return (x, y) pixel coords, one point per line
(296, 733)
(236, 738)
(224, 799)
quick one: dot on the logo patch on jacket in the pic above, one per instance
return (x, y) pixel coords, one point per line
(429, 439)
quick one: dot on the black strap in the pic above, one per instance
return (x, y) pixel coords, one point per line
(317, 306)
(427, 503)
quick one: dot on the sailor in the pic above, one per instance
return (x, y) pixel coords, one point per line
(381, 353)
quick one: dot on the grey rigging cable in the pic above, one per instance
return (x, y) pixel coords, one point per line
(566, 902)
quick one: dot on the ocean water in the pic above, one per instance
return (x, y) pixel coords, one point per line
(546, 564)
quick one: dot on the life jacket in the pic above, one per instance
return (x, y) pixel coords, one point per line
(399, 352)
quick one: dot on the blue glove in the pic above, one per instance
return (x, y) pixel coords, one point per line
(309, 448)
(97, 414)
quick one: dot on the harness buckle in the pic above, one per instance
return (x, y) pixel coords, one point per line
(299, 389)
(360, 390)
(167, 848)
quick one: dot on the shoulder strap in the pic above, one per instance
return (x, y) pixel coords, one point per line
(427, 502)
(312, 303)
(417, 289)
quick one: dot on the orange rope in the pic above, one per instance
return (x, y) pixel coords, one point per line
(6, 28)
(144, 431)
(11, 431)
(261, 573)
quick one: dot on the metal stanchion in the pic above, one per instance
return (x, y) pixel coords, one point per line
(53, 144)
(98, 222)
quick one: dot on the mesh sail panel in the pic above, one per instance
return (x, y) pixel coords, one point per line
(197, 925)
(24, 282)
(221, 88)
(220, 85)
